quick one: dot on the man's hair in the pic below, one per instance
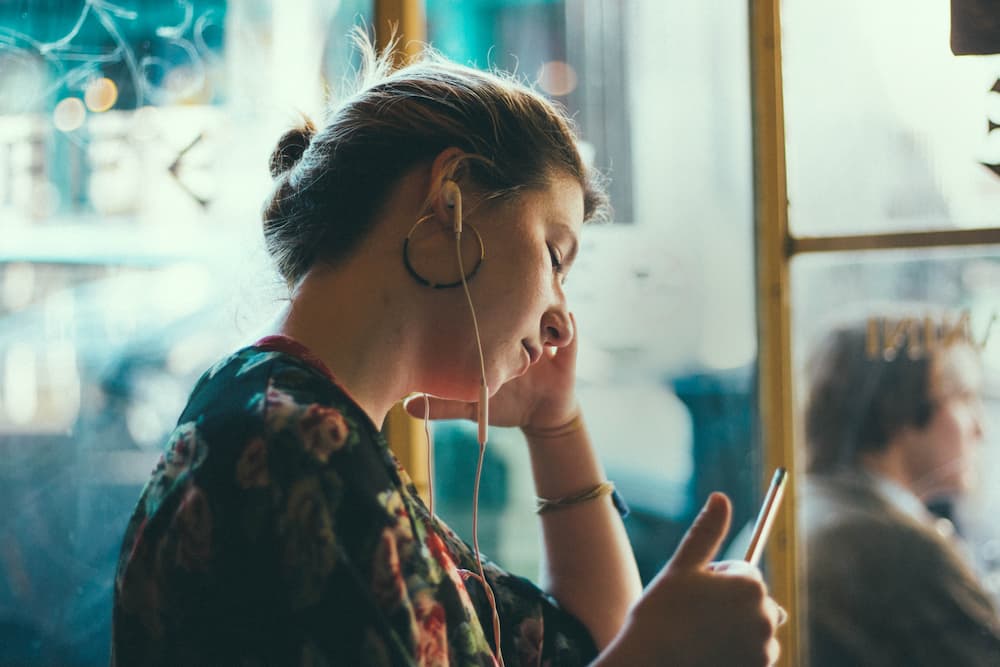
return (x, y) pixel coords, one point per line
(868, 378)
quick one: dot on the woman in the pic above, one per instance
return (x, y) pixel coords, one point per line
(278, 528)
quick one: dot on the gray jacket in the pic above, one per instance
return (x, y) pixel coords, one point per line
(883, 587)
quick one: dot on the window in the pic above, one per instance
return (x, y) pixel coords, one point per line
(130, 135)
(893, 134)
(892, 199)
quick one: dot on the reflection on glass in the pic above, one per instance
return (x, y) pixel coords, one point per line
(130, 136)
(101, 94)
(69, 114)
(899, 391)
(892, 132)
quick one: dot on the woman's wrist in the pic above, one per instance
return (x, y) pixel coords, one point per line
(588, 494)
(557, 429)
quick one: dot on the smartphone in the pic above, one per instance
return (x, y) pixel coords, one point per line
(765, 518)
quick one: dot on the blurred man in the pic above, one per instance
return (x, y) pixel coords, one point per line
(892, 421)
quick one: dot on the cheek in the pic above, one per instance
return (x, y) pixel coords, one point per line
(527, 285)
(966, 423)
(956, 430)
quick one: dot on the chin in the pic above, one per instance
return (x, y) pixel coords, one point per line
(464, 389)
(966, 484)
(954, 488)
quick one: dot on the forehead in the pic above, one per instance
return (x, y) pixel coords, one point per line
(560, 201)
(956, 369)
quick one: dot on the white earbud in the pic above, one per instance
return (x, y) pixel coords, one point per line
(484, 410)
(453, 200)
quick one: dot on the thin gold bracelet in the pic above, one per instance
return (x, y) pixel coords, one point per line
(543, 505)
(572, 426)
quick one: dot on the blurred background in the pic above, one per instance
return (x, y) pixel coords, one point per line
(134, 142)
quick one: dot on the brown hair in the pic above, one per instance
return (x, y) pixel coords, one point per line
(863, 391)
(330, 182)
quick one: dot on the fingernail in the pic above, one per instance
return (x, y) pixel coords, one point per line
(782, 616)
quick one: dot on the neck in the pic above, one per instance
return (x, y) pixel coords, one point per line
(890, 464)
(357, 333)
(365, 317)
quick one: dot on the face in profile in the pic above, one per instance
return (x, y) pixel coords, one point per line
(942, 454)
(530, 243)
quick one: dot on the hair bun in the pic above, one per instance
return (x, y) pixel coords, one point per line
(291, 146)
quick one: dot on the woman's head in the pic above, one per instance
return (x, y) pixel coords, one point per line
(330, 181)
(889, 380)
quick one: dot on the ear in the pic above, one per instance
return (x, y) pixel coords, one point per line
(908, 443)
(447, 166)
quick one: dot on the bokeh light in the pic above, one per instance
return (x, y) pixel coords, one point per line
(101, 94)
(69, 114)
(557, 78)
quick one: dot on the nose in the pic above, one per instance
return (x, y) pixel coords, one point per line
(977, 419)
(979, 423)
(557, 328)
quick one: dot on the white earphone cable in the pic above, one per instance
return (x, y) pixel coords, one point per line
(430, 454)
(482, 445)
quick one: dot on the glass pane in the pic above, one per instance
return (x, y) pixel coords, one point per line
(898, 359)
(131, 260)
(886, 129)
(663, 296)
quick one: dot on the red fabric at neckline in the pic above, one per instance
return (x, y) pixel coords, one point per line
(288, 345)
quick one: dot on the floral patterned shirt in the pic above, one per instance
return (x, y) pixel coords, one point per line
(278, 529)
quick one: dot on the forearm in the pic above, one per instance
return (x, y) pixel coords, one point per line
(588, 564)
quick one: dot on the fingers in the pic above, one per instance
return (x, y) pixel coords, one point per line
(774, 616)
(740, 568)
(775, 613)
(705, 535)
(773, 651)
(440, 408)
(782, 616)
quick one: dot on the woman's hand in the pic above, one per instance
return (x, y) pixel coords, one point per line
(587, 562)
(697, 613)
(542, 398)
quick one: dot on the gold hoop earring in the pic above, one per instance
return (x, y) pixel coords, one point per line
(423, 281)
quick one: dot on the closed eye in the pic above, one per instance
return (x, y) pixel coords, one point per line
(557, 265)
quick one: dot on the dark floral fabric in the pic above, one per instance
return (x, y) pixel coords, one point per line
(278, 529)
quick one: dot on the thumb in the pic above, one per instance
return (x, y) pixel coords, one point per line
(705, 535)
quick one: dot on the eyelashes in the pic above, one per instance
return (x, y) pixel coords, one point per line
(557, 264)
(554, 257)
